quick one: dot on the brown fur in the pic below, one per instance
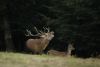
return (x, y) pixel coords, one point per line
(38, 45)
(56, 53)
(59, 53)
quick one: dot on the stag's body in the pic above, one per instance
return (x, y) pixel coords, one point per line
(38, 45)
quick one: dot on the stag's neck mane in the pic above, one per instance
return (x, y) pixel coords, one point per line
(45, 42)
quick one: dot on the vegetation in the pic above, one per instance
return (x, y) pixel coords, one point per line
(25, 60)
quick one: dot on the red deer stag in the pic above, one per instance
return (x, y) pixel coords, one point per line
(39, 44)
(59, 53)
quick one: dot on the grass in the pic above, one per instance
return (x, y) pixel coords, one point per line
(26, 60)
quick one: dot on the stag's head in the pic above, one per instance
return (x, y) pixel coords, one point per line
(46, 34)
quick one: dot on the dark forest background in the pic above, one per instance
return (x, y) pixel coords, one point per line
(76, 21)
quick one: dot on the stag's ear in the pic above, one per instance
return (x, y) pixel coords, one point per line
(52, 32)
(42, 36)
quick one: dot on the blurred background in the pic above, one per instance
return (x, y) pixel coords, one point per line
(73, 21)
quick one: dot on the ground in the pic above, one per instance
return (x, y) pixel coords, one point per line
(25, 60)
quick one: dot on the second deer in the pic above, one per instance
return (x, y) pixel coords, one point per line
(59, 53)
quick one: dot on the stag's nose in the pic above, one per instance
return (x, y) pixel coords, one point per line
(52, 36)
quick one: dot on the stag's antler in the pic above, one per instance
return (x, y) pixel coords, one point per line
(39, 32)
(36, 29)
(48, 29)
(28, 33)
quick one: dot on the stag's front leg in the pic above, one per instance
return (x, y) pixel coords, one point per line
(38, 53)
(41, 52)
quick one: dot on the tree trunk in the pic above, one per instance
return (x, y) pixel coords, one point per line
(8, 36)
(70, 48)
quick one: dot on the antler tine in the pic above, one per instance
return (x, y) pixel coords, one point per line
(41, 31)
(38, 32)
(48, 29)
(26, 34)
(44, 28)
(36, 29)
(29, 33)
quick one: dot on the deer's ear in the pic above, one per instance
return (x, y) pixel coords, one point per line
(52, 32)
(42, 36)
